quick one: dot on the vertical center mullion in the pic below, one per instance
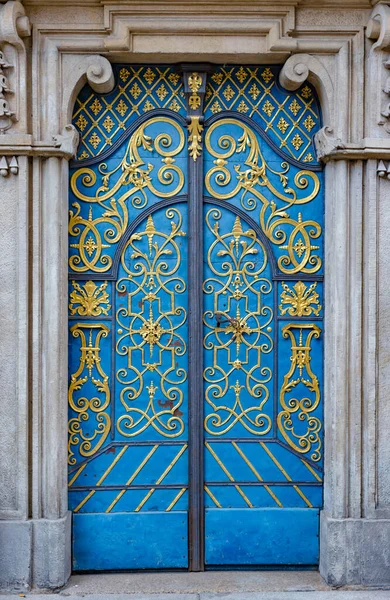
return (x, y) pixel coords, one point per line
(195, 368)
(195, 87)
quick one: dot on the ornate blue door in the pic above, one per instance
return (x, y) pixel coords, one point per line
(195, 415)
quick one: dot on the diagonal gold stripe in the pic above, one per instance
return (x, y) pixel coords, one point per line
(84, 501)
(213, 498)
(239, 490)
(71, 482)
(255, 472)
(159, 480)
(302, 495)
(312, 471)
(275, 460)
(112, 465)
(176, 499)
(134, 475)
(224, 469)
(287, 476)
(102, 478)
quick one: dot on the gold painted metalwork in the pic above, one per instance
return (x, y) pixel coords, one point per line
(88, 444)
(194, 83)
(139, 90)
(253, 92)
(161, 478)
(229, 475)
(237, 281)
(135, 179)
(89, 300)
(275, 221)
(266, 448)
(287, 476)
(296, 422)
(154, 328)
(301, 301)
(195, 129)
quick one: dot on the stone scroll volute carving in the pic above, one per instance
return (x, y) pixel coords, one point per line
(79, 70)
(378, 30)
(14, 26)
(296, 70)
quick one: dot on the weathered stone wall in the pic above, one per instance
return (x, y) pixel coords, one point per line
(49, 50)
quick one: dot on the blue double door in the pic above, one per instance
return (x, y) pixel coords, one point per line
(195, 341)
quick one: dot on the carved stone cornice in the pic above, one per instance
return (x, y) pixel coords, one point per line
(267, 27)
(63, 145)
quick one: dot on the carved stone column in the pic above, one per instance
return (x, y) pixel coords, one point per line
(354, 144)
(35, 525)
(15, 530)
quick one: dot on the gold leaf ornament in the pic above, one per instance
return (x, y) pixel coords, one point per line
(89, 300)
(195, 129)
(301, 301)
(194, 83)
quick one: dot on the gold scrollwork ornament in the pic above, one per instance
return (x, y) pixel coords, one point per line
(134, 180)
(151, 337)
(276, 222)
(234, 352)
(88, 443)
(303, 408)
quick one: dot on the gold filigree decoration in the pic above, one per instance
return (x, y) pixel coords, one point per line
(92, 300)
(301, 301)
(195, 129)
(130, 180)
(296, 422)
(237, 330)
(88, 441)
(150, 330)
(275, 221)
(194, 83)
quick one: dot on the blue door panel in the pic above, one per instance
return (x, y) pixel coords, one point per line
(266, 536)
(130, 307)
(129, 541)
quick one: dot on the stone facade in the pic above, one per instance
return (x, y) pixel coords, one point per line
(48, 50)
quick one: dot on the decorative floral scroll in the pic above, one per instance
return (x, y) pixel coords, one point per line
(239, 337)
(296, 421)
(86, 440)
(150, 327)
(130, 180)
(295, 235)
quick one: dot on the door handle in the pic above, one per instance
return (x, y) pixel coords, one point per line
(219, 319)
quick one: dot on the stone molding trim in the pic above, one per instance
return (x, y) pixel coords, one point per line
(14, 25)
(267, 29)
(64, 56)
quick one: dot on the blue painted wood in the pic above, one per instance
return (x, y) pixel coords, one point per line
(267, 536)
(130, 541)
(129, 457)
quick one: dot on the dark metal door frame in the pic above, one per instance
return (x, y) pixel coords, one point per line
(195, 76)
